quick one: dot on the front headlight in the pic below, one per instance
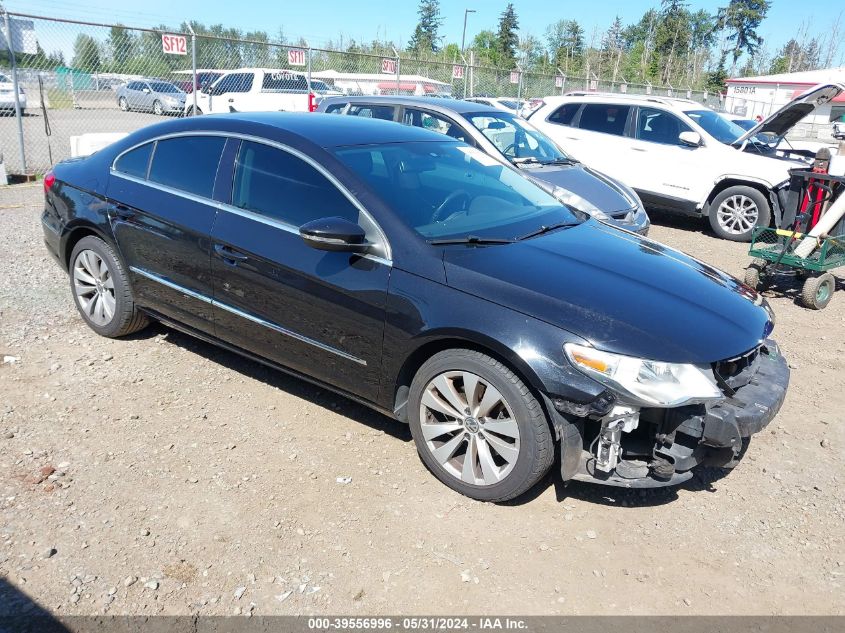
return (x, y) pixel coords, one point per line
(646, 382)
(577, 202)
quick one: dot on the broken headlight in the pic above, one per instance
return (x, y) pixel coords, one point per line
(644, 382)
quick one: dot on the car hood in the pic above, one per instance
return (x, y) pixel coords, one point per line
(599, 190)
(786, 117)
(621, 292)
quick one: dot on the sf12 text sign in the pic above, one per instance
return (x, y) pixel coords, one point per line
(174, 44)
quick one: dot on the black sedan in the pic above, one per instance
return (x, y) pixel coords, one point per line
(417, 275)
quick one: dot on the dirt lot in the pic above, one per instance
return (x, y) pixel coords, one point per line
(188, 480)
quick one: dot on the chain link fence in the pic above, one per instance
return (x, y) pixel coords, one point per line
(82, 84)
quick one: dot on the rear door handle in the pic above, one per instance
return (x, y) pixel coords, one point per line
(639, 149)
(229, 255)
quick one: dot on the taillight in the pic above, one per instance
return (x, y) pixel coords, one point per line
(312, 102)
(49, 181)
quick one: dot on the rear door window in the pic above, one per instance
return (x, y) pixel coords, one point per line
(433, 122)
(564, 114)
(187, 163)
(236, 82)
(384, 112)
(335, 108)
(609, 118)
(135, 162)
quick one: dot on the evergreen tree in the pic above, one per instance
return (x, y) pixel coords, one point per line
(741, 19)
(507, 39)
(86, 54)
(425, 37)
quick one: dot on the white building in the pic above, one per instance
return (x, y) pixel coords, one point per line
(760, 96)
(376, 83)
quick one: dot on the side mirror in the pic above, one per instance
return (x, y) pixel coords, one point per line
(146, 90)
(334, 234)
(691, 139)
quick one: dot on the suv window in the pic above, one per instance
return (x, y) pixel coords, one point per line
(433, 122)
(135, 163)
(282, 186)
(564, 114)
(335, 108)
(188, 163)
(659, 126)
(373, 111)
(236, 82)
(283, 81)
(604, 117)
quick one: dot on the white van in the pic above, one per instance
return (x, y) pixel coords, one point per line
(255, 90)
(683, 157)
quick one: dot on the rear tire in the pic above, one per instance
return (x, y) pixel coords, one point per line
(736, 211)
(754, 276)
(157, 108)
(123, 104)
(818, 291)
(100, 289)
(497, 424)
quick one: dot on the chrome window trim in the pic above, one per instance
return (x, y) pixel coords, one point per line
(388, 251)
(246, 315)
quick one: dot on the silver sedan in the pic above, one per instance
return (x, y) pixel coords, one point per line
(160, 97)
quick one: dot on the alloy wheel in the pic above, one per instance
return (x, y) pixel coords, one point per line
(738, 214)
(94, 287)
(469, 428)
(157, 109)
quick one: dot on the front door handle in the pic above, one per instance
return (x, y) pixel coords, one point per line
(229, 255)
(231, 100)
(639, 149)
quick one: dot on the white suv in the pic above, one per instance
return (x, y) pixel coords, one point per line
(254, 90)
(680, 156)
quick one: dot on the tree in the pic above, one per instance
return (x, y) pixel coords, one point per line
(121, 43)
(425, 37)
(86, 54)
(507, 39)
(717, 78)
(565, 39)
(613, 44)
(671, 36)
(486, 45)
(741, 19)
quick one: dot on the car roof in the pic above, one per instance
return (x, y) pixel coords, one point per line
(453, 105)
(322, 130)
(591, 97)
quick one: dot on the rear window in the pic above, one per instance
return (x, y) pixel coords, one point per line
(564, 114)
(283, 81)
(187, 163)
(601, 117)
(335, 108)
(135, 163)
(372, 111)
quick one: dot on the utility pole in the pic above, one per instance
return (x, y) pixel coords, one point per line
(464, 36)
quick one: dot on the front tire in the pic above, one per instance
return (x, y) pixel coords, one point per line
(478, 427)
(736, 211)
(157, 108)
(123, 104)
(101, 291)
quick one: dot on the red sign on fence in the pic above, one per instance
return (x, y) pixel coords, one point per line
(296, 57)
(174, 44)
(514, 76)
(457, 71)
(388, 66)
(558, 82)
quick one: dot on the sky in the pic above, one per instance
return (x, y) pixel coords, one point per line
(321, 20)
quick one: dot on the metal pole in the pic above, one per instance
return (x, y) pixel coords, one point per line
(398, 71)
(464, 35)
(194, 67)
(308, 72)
(15, 89)
(519, 91)
(472, 73)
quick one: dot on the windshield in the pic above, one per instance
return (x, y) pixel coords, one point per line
(716, 126)
(451, 190)
(161, 86)
(515, 137)
(745, 124)
(509, 104)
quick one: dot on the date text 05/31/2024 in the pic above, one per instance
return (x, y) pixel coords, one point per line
(416, 624)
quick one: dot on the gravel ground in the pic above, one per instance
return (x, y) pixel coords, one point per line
(160, 475)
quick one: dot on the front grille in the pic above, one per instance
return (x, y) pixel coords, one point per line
(738, 371)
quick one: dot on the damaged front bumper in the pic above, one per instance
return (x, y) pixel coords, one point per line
(668, 443)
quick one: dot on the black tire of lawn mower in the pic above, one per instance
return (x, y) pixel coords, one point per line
(818, 291)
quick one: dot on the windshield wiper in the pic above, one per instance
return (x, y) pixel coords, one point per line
(546, 228)
(562, 160)
(523, 160)
(472, 239)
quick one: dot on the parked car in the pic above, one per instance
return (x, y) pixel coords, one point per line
(683, 157)
(500, 103)
(512, 141)
(7, 96)
(204, 78)
(417, 275)
(322, 89)
(159, 97)
(741, 121)
(255, 90)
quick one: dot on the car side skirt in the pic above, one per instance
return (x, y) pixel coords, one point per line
(672, 204)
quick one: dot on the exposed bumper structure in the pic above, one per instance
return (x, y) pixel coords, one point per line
(671, 442)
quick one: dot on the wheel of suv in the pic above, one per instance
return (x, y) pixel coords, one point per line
(123, 104)
(736, 211)
(101, 290)
(478, 427)
(157, 109)
(818, 291)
